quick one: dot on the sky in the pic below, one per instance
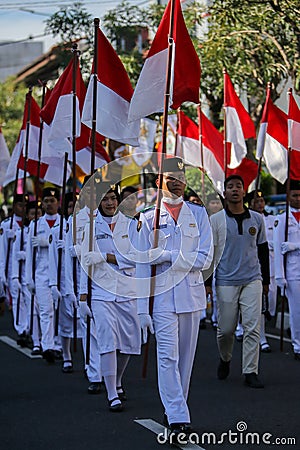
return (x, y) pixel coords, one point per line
(21, 19)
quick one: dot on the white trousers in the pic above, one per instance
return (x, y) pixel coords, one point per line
(23, 323)
(45, 305)
(176, 337)
(246, 300)
(293, 295)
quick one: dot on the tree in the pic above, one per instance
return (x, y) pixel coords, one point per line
(12, 100)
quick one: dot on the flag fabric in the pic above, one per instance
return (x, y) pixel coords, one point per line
(58, 110)
(239, 125)
(143, 153)
(114, 92)
(4, 158)
(149, 93)
(51, 167)
(272, 140)
(293, 124)
(188, 147)
(213, 163)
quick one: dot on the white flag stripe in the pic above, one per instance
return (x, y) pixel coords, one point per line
(235, 135)
(83, 160)
(294, 134)
(261, 139)
(112, 109)
(149, 87)
(275, 157)
(4, 158)
(61, 125)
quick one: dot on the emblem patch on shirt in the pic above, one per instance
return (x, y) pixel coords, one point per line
(275, 223)
(50, 238)
(14, 238)
(252, 231)
(125, 236)
(67, 227)
(192, 225)
(101, 236)
(1, 231)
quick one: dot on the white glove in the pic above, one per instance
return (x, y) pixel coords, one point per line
(31, 287)
(92, 258)
(60, 243)
(20, 255)
(289, 247)
(146, 323)
(56, 295)
(39, 241)
(158, 255)
(10, 233)
(16, 284)
(84, 311)
(281, 283)
(71, 298)
(75, 251)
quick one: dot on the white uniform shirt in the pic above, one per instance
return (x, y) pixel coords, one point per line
(179, 285)
(293, 258)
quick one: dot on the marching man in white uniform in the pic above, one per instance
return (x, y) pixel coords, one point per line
(72, 286)
(50, 203)
(184, 250)
(113, 297)
(288, 278)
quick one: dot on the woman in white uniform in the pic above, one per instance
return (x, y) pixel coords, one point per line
(113, 293)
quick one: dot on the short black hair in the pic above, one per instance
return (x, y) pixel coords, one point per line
(233, 177)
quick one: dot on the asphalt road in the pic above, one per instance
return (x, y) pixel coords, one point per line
(43, 409)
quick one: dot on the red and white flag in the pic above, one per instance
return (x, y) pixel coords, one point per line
(272, 140)
(149, 93)
(239, 125)
(58, 110)
(212, 160)
(114, 92)
(293, 124)
(4, 158)
(51, 167)
(188, 147)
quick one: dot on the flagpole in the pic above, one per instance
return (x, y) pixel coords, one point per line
(74, 88)
(37, 183)
(28, 100)
(286, 231)
(160, 175)
(225, 128)
(61, 229)
(201, 149)
(93, 149)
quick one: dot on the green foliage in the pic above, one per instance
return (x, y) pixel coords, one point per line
(12, 100)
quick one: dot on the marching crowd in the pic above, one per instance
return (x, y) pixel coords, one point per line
(110, 276)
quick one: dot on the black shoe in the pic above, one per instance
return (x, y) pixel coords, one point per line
(22, 339)
(202, 324)
(67, 366)
(49, 356)
(214, 325)
(36, 350)
(265, 348)
(179, 433)
(118, 407)
(58, 355)
(239, 337)
(121, 393)
(94, 388)
(223, 369)
(252, 380)
(297, 356)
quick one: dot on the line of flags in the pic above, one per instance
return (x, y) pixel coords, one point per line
(120, 109)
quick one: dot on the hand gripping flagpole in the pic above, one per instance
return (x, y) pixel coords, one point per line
(74, 259)
(37, 183)
(28, 100)
(160, 175)
(93, 149)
